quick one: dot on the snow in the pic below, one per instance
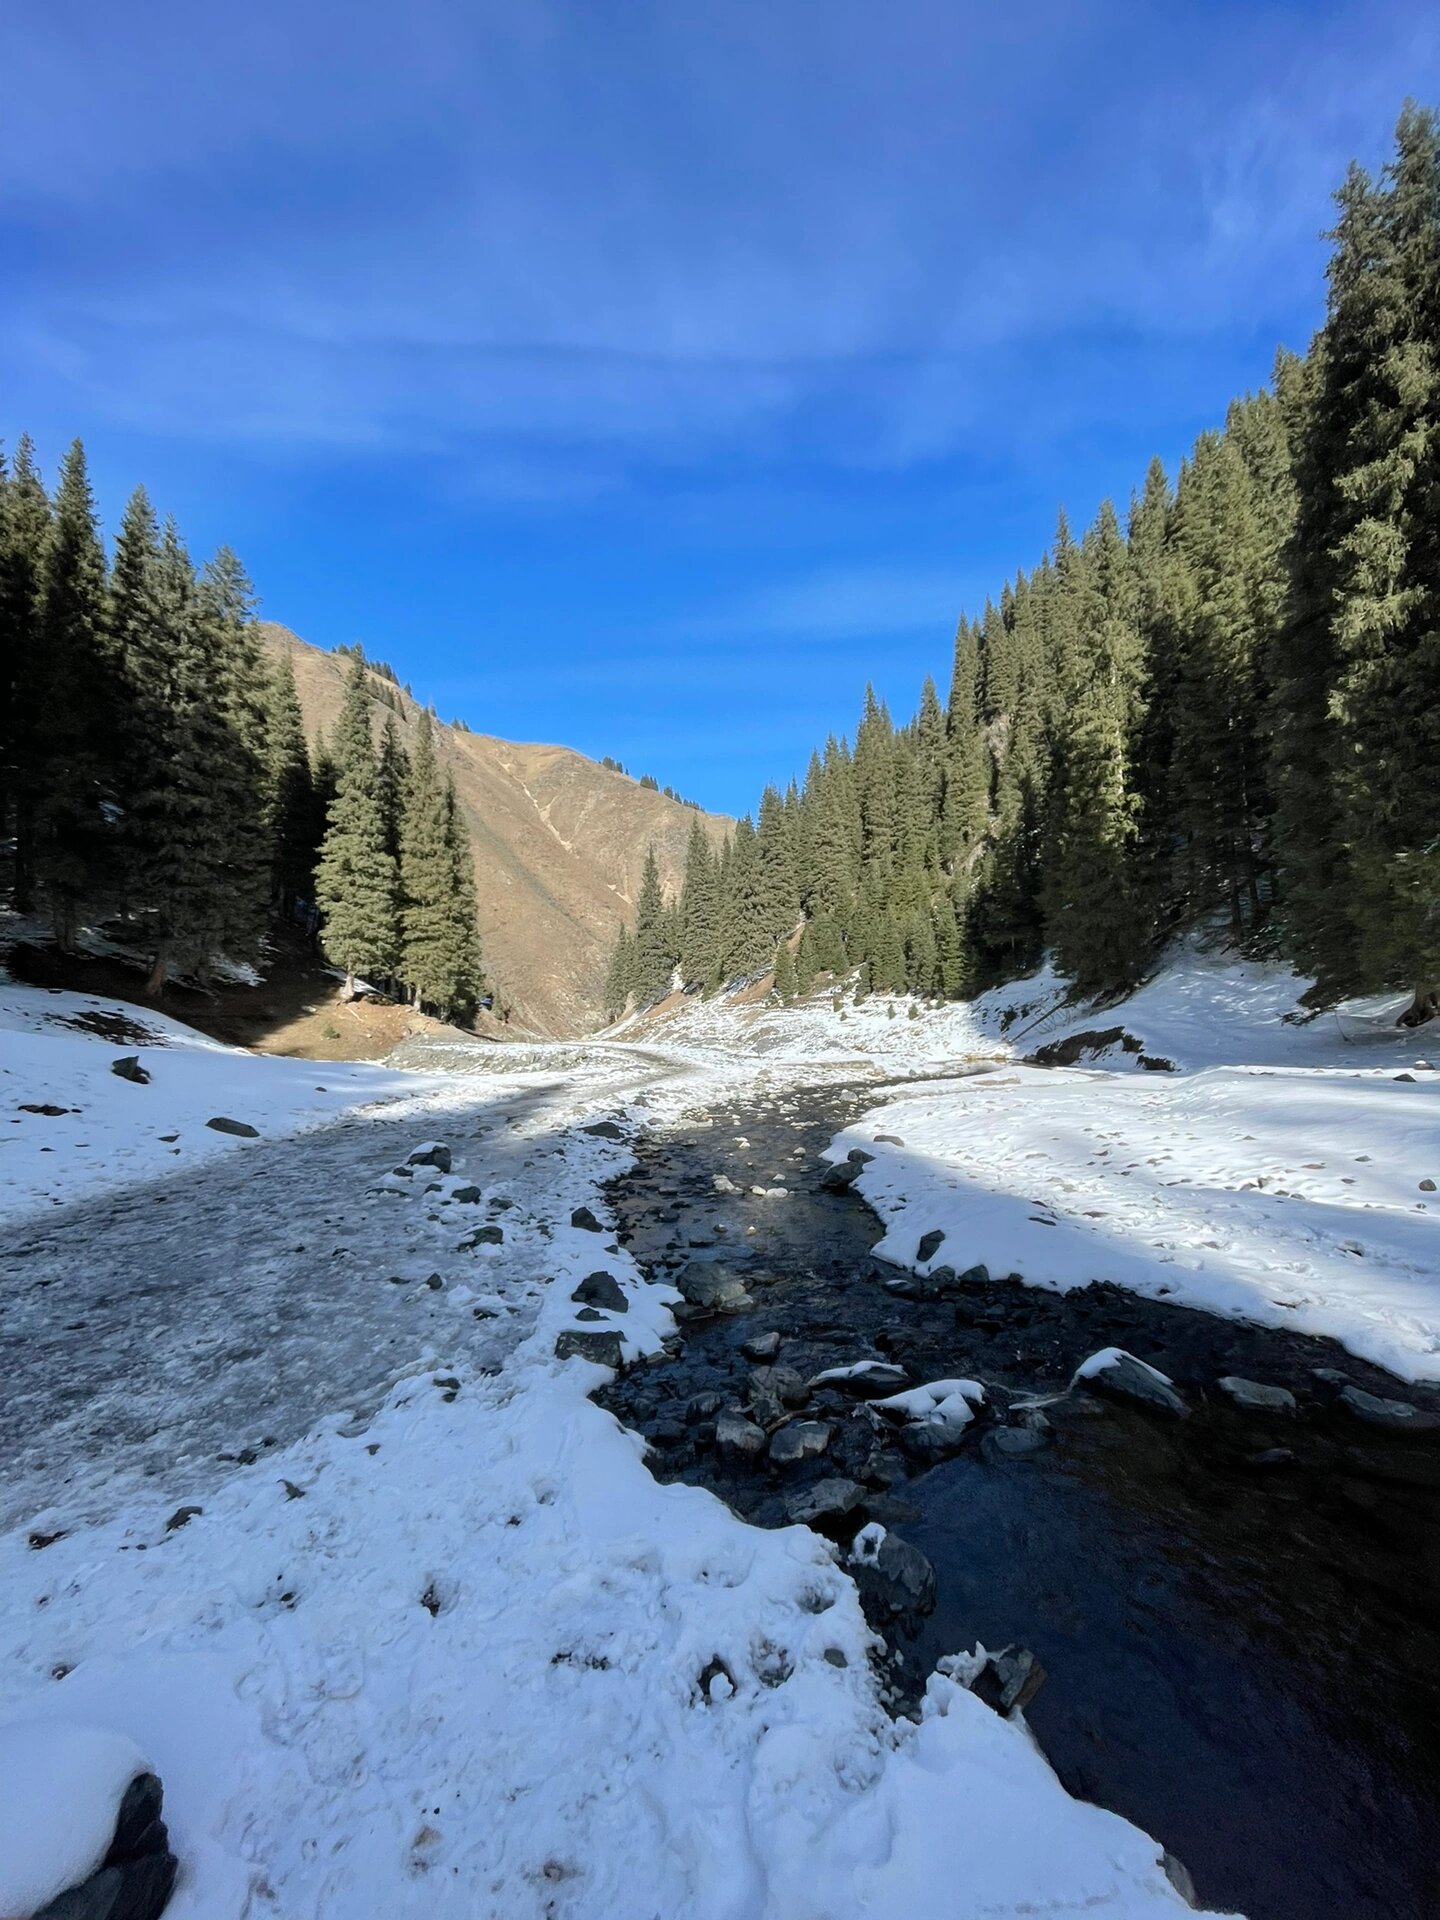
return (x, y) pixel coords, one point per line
(1279, 1178)
(433, 1642)
(56, 1765)
(942, 1403)
(56, 1050)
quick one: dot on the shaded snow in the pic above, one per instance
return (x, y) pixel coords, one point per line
(53, 1764)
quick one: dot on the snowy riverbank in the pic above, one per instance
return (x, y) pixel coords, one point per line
(460, 1655)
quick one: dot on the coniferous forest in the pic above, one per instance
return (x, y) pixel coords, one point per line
(1221, 708)
(154, 769)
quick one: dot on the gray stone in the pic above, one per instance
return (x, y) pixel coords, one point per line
(1009, 1681)
(605, 1130)
(709, 1289)
(896, 1580)
(877, 1377)
(929, 1244)
(800, 1440)
(761, 1346)
(1012, 1443)
(468, 1196)
(240, 1128)
(888, 1140)
(129, 1068)
(486, 1236)
(1131, 1380)
(433, 1155)
(833, 1499)
(602, 1290)
(583, 1217)
(738, 1439)
(1253, 1397)
(843, 1174)
(581, 1343)
(1399, 1415)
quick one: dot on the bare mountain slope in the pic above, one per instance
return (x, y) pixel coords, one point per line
(559, 841)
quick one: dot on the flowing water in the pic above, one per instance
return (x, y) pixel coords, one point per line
(1243, 1651)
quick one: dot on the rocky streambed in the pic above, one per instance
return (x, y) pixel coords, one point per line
(1234, 1594)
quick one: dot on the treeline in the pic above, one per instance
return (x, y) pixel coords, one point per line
(1225, 707)
(154, 768)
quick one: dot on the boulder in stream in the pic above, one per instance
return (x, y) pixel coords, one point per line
(1119, 1374)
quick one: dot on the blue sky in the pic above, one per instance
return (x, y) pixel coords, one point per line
(648, 376)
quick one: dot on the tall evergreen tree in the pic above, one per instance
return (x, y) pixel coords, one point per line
(289, 793)
(24, 534)
(355, 879)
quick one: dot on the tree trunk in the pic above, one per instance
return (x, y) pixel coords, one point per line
(159, 970)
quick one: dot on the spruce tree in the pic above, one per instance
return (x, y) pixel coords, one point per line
(225, 604)
(289, 809)
(355, 879)
(72, 747)
(418, 817)
(24, 533)
(786, 986)
(655, 956)
(699, 908)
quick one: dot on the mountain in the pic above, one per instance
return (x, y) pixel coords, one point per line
(559, 842)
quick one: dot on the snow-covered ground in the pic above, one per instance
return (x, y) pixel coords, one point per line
(400, 1618)
(1289, 1177)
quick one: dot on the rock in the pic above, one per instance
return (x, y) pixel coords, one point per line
(1252, 1397)
(842, 1175)
(182, 1517)
(1012, 1443)
(866, 1379)
(583, 1217)
(929, 1441)
(431, 1154)
(1399, 1415)
(703, 1406)
(1123, 1377)
(738, 1439)
(483, 1237)
(1181, 1878)
(470, 1196)
(761, 1346)
(929, 1244)
(722, 1184)
(583, 1344)
(858, 1157)
(888, 1140)
(1271, 1457)
(1009, 1681)
(938, 1284)
(1427, 1186)
(605, 1130)
(894, 1578)
(240, 1128)
(800, 1440)
(434, 1282)
(137, 1875)
(709, 1289)
(833, 1499)
(602, 1290)
(129, 1068)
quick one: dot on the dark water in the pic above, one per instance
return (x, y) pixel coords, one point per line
(1244, 1659)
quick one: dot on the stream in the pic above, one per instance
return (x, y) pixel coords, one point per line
(1238, 1614)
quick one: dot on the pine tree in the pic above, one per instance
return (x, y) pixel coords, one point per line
(654, 952)
(786, 986)
(24, 532)
(620, 979)
(225, 603)
(417, 814)
(699, 908)
(464, 974)
(72, 708)
(289, 809)
(965, 796)
(355, 879)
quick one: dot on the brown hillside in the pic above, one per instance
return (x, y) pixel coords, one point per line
(559, 841)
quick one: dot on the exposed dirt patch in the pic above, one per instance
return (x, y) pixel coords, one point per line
(298, 1010)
